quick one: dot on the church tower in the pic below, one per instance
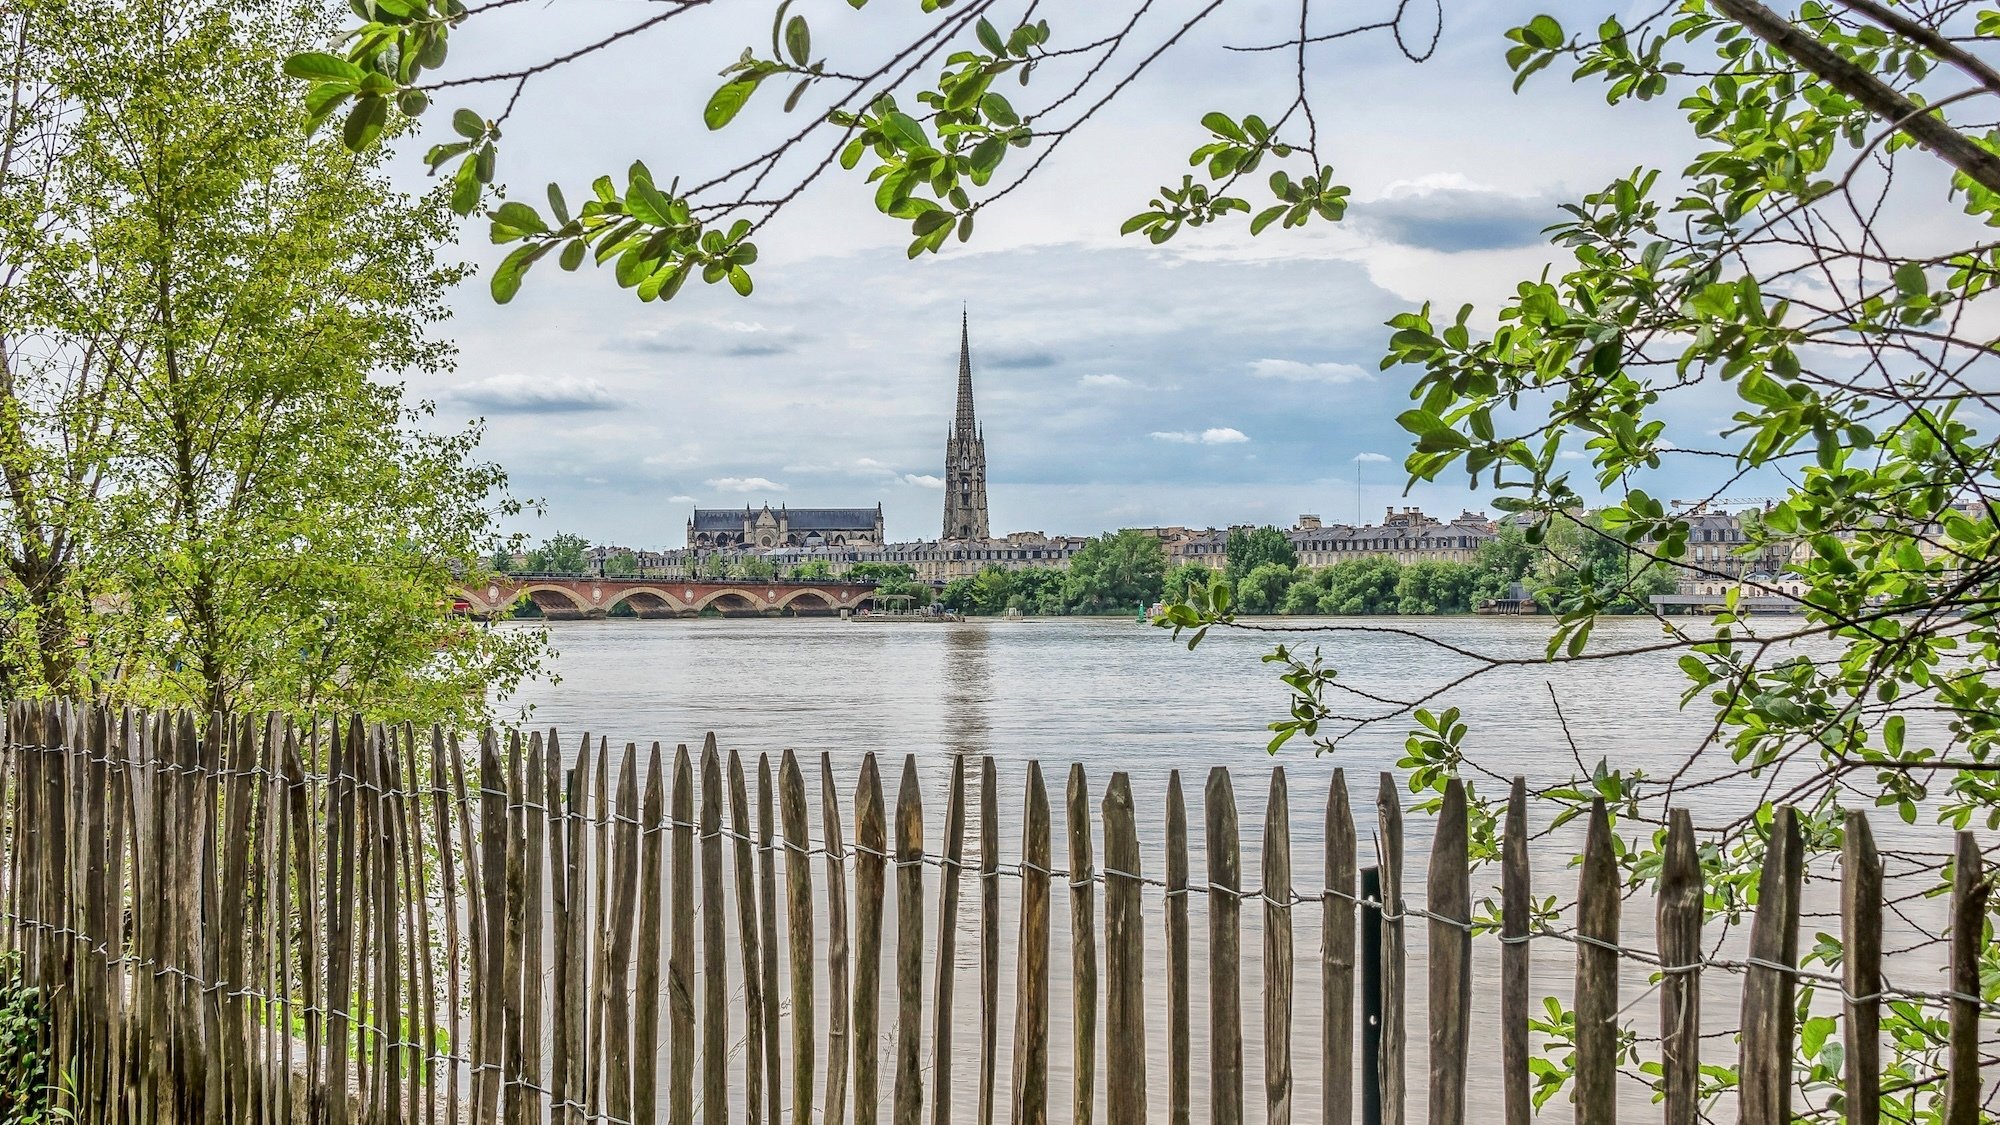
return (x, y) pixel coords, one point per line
(965, 457)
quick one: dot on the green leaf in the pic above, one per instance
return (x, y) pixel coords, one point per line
(318, 66)
(728, 101)
(999, 111)
(739, 280)
(468, 124)
(364, 122)
(1219, 123)
(507, 278)
(465, 190)
(798, 40)
(516, 215)
(989, 37)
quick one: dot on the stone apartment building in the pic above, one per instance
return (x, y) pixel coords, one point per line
(1408, 536)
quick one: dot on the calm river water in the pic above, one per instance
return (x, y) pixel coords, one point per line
(1116, 695)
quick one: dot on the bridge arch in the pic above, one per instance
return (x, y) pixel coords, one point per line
(732, 601)
(650, 603)
(812, 603)
(556, 602)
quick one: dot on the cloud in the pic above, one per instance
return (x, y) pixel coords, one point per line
(524, 394)
(759, 349)
(682, 500)
(1451, 213)
(1572, 455)
(923, 480)
(1293, 371)
(745, 484)
(1018, 360)
(1218, 435)
(1118, 381)
(1371, 458)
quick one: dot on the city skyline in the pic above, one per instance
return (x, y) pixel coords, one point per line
(1222, 378)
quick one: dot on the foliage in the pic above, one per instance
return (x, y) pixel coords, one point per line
(1263, 588)
(562, 553)
(959, 596)
(1249, 548)
(1434, 586)
(1187, 577)
(621, 564)
(752, 568)
(811, 570)
(25, 1087)
(1115, 572)
(213, 497)
(1363, 585)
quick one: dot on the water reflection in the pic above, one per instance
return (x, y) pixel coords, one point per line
(968, 689)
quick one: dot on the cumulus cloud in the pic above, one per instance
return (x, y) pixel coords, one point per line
(1370, 458)
(1217, 435)
(523, 394)
(1293, 371)
(745, 484)
(923, 480)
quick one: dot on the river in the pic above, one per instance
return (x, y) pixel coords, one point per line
(1116, 695)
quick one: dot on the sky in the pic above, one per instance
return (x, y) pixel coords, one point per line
(1217, 380)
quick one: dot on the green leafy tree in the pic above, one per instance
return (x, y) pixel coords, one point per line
(1039, 590)
(1248, 548)
(992, 588)
(621, 564)
(562, 553)
(1502, 561)
(502, 561)
(1362, 586)
(1434, 586)
(1264, 588)
(1185, 577)
(1116, 572)
(210, 498)
(752, 568)
(1303, 595)
(881, 572)
(811, 570)
(960, 595)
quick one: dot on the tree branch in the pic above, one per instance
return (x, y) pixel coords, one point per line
(1981, 166)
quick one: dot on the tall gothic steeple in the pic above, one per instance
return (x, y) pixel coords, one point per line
(965, 455)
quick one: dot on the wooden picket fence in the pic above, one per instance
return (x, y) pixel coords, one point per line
(241, 920)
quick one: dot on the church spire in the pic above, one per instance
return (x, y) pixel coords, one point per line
(965, 455)
(966, 425)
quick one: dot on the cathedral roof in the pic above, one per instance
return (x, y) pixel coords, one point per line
(799, 519)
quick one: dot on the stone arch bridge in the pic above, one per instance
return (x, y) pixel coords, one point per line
(572, 598)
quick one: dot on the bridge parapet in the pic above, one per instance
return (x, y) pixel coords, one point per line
(573, 597)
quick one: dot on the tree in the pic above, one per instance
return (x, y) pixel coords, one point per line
(881, 572)
(206, 498)
(1116, 572)
(1363, 585)
(621, 564)
(812, 570)
(1249, 548)
(502, 561)
(1263, 589)
(960, 596)
(991, 589)
(1435, 586)
(1501, 562)
(752, 568)
(1039, 590)
(1185, 577)
(562, 553)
